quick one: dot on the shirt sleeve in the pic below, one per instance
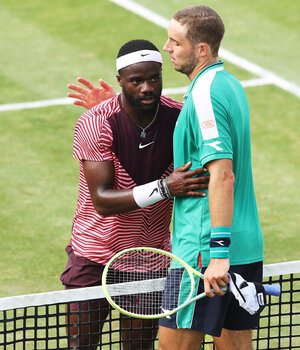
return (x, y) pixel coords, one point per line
(213, 115)
(93, 137)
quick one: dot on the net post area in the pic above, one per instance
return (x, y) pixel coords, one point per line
(83, 319)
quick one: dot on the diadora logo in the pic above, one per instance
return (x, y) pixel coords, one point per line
(145, 145)
(215, 145)
(221, 243)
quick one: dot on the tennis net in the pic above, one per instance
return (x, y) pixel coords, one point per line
(51, 320)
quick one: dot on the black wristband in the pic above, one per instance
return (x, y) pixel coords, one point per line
(163, 188)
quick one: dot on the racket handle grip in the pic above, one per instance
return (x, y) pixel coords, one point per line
(272, 289)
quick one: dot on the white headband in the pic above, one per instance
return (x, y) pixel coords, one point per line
(137, 57)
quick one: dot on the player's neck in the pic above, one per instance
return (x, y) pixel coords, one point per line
(143, 119)
(201, 65)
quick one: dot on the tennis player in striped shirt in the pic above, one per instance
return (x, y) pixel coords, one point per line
(126, 182)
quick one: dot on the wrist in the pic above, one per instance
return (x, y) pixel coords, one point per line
(164, 189)
(151, 193)
(219, 242)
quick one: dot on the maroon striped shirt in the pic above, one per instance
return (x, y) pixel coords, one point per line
(105, 132)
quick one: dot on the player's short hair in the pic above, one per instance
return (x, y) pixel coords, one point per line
(136, 45)
(203, 25)
(146, 51)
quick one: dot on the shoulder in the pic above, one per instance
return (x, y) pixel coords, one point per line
(226, 83)
(217, 86)
(169, 102)
(98, 115)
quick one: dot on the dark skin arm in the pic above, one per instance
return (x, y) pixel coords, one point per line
(100, 175)
(109, 201)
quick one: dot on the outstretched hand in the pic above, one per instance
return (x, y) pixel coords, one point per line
(187, 183)
(91, 96)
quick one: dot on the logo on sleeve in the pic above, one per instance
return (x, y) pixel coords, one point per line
(214, 145)
(207, 124)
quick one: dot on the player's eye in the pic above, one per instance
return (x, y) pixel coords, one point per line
(155, 78)
(175, 43)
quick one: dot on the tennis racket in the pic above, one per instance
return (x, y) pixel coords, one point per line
(134, 280)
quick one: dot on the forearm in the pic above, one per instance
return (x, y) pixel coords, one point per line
(220, 192)
(110, 201)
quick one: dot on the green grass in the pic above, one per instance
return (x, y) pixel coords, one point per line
(38, 188)
(48, 44)
(264, 32)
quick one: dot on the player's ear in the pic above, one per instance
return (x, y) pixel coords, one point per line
(119, 79)
(204, 49)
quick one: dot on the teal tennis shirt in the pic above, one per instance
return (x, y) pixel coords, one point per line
(214, 124)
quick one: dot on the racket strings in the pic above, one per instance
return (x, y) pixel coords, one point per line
(136, 280)
(178, 290)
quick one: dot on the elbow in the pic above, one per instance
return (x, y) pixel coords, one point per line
(103, 211)
(225, 178)
(102, 204)
(228, 180)
(102, 207)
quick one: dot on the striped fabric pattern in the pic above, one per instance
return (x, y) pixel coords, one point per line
(96, 237)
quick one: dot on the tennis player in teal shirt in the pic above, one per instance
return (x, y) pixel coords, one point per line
(220, 232)
(214, 124)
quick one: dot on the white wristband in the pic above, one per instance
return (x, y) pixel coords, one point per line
(151, 193)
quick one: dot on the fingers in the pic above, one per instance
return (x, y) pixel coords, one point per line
(207, 289)
(87, 83)
(78, 96)
(213, 286)
(192, 186)
(105, 85)
(184, 167)
(197, 180)
(81, 103)
(77, 88)
(85, 98)
(216, 276)
(185, 183)
(190, 173)
(198, 171)
(195, 194)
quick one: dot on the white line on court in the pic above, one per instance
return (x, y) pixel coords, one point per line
(229, 56)
(267, 77)
(35, 104)
(68, 100)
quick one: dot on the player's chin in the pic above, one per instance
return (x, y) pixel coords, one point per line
(148, 105)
